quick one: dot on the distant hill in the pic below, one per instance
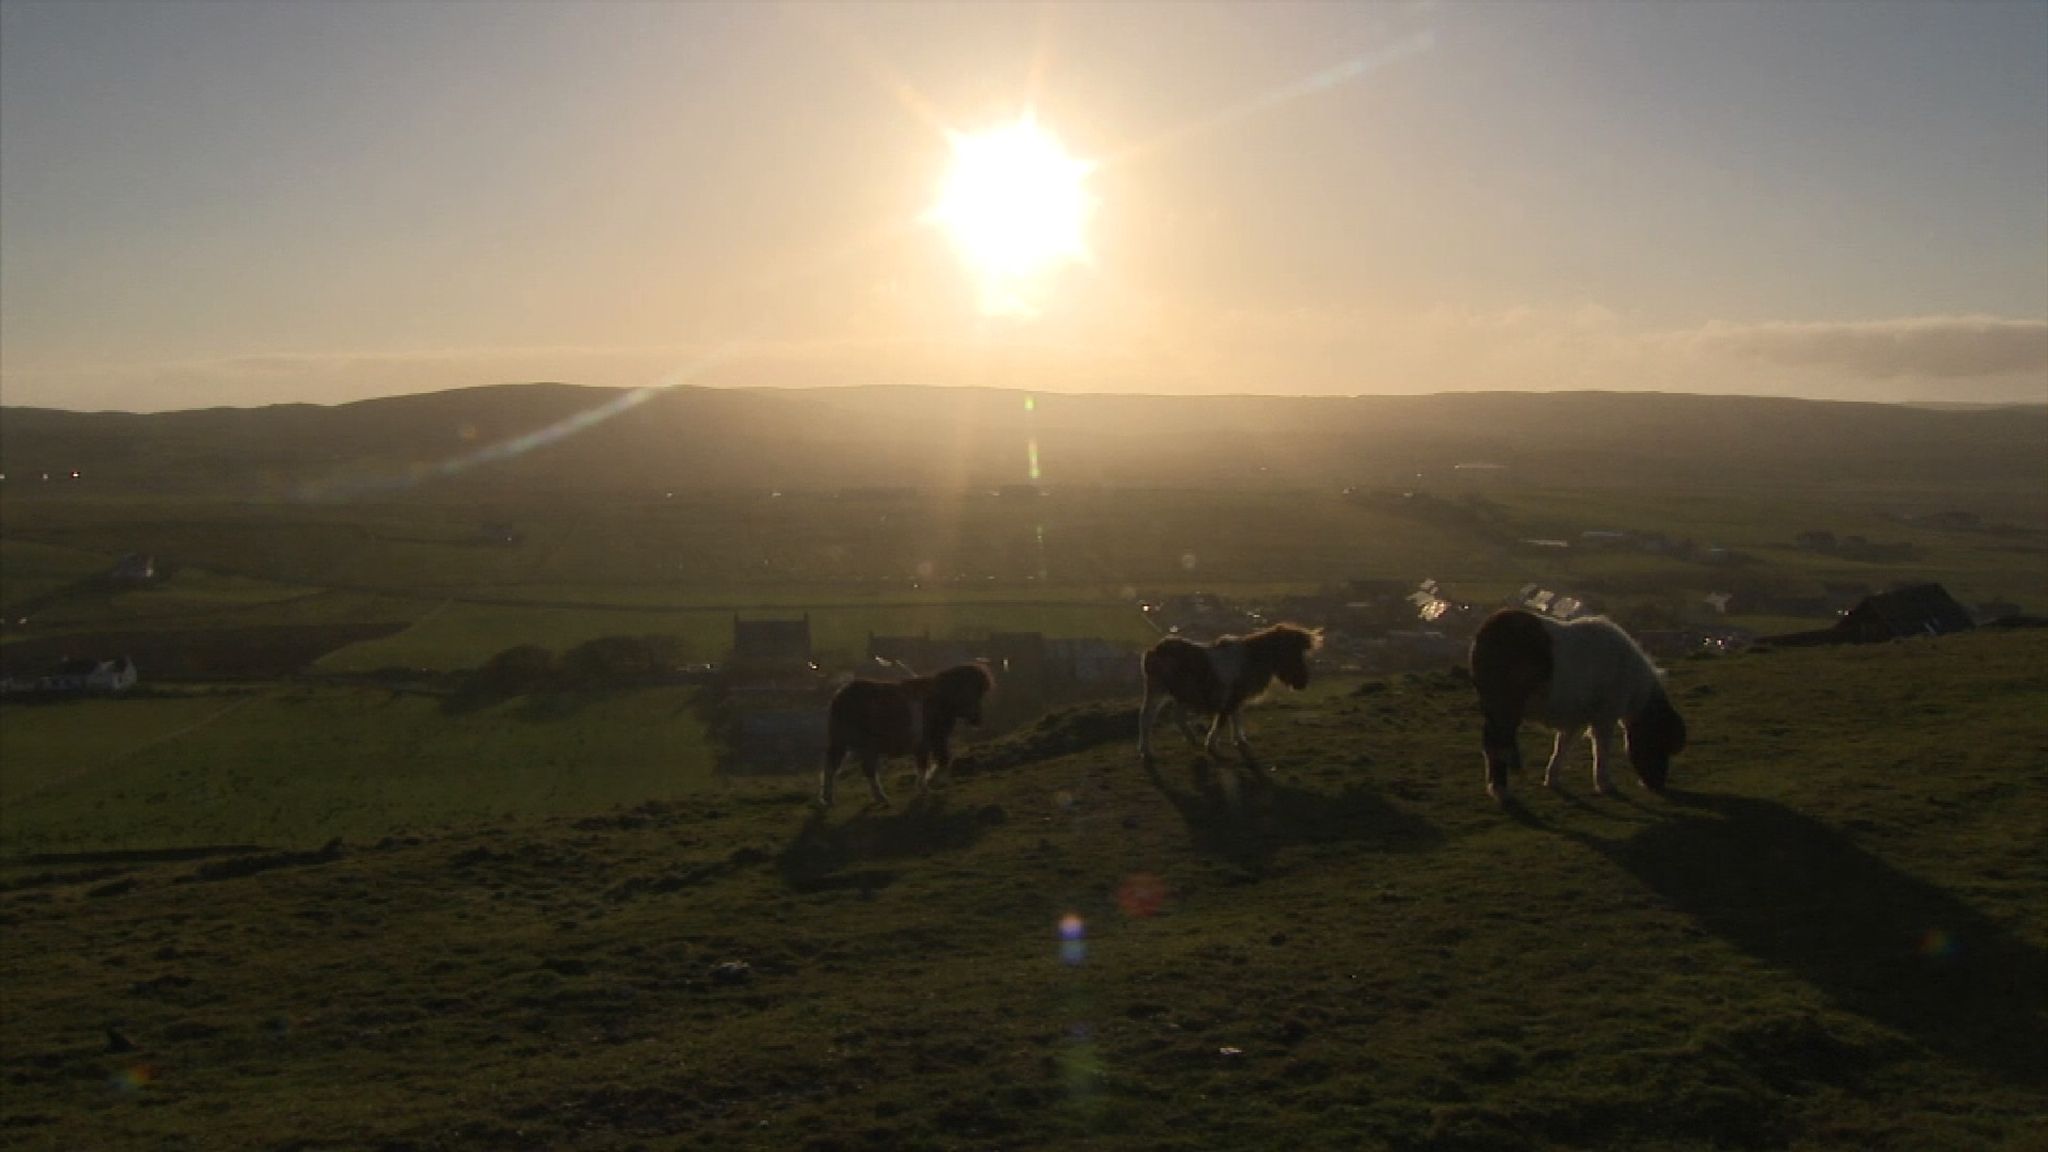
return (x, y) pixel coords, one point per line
(546, 438)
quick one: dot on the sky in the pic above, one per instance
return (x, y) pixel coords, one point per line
(244, 204)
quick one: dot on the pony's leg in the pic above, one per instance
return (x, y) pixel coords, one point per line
(1503, 752)
(871, 763)
(1215, 727)
(1187, 730)
(1148, 715)
(1243, 742)
(930, 761)
(1559, 750)
(835, 755)
(1603, 737)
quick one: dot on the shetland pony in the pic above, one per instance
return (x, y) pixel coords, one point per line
(1570, 677)
(915, 717)
(1217, 679)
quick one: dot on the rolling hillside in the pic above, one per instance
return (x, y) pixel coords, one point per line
(1827, 936)
(542, 438)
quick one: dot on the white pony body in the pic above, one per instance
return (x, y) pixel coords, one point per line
(1572, 677)
(1599, 675)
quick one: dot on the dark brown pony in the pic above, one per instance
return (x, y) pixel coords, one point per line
(1217, 679)
(915, 717)
(1571, 677)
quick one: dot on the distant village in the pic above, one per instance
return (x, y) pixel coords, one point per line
(766, 697)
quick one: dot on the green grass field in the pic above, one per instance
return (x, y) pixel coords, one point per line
(1826, 936)
(29, 570)
(297, 766)
(464, 635)
(1069, 563)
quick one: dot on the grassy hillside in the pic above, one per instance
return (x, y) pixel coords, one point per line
(1827, 936)
(297, 766)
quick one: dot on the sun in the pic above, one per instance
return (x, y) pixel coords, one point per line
(1016, 206)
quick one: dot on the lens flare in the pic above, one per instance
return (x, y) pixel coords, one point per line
(1938, 944)
(1141, 895)
(1073, 940)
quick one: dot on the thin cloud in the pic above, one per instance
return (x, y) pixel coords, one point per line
(1937, 347)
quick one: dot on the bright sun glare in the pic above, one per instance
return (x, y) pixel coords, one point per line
(1015, 205)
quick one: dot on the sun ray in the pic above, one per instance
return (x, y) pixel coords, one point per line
(1323, 80)
(821, 20)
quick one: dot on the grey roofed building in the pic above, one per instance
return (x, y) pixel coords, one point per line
(1914, 610)
(889, 656)
(771, 644)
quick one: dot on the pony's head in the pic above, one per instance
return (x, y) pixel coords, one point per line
(959, 690)
(1655, 735)
(1286, 648)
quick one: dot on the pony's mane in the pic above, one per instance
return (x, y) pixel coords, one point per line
(965, 677)
(1311, 638)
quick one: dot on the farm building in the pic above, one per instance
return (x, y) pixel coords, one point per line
(1914, 610)
(890, 656)
(78, 676)
(1554, 604)
(1094, 664)
(771, 645)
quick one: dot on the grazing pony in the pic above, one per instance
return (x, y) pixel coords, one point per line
(1217, 679)
(1570, 677)
(915, 717)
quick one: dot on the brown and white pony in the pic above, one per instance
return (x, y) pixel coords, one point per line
(1217, 679)
(915, 717)
(1570, 677)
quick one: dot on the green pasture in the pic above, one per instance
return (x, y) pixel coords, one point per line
(1085, 539)
(462, 635)
(1825, 936)
(44, 746)
(30, 570)
(302, 765)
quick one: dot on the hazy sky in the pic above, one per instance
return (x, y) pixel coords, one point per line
(224, 203)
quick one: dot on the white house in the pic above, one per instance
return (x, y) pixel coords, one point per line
(81, 675)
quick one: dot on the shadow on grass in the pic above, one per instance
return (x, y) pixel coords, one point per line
(820, 855)
(547, 705)
(1800, 896)
(1242, 814)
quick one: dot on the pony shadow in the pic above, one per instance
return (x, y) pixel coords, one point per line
(821, 853)
(1622, 808)
(1802, 897)
(1245, 816)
